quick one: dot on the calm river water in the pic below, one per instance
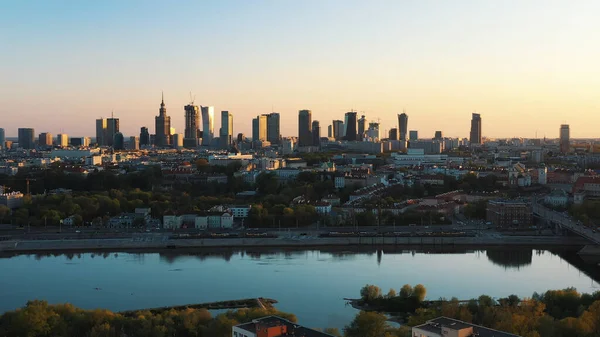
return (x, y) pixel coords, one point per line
(311, 284)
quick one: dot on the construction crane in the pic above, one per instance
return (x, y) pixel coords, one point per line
(26, 179)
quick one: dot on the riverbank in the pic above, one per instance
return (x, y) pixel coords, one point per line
(27, 246)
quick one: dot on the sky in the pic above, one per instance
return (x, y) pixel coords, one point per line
(525, 66)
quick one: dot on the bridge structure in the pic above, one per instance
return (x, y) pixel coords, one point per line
(564, 221)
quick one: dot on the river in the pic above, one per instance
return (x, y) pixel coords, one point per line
(310, 284)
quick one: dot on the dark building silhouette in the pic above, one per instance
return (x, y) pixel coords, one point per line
(162, 126)
(316, 134)
(144, 136)
(393, 134)
(241, 137)
(565, 136)
(403, 125)
(362, 127)
(192, 126)
(350, 125)
(119, 141)
(304, 128)
(475, 129)
(26, 138)
(438, 135)
(112, 127)
(273, 128)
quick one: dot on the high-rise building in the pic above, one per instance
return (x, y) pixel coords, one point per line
(45, 139)
(565, 138)
(112, 128)
(304, 128)
(134, 143)
(393, 134)
(338, 129)
(2, 138)
(62, 140)
(316, 134)
(259, 128)
(81, 141)
(241, 137)
(101, 131)
(208, 125)
(273, 128)
(372, 133)
(350, 125)
(330, 131)
(413, 135)
(475, 129)
(362, 127)
(438, 135)
(226, 131)
(403, 125)
(162, 126)
(118, 141)
(192, 126)
(26, 138)
(177, 140)
(144, 136)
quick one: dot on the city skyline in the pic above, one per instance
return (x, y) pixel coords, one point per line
(524, 79)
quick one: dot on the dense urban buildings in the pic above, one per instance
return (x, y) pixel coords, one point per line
(565, 139)
(403, 125)
(475, 137)
(192, 126)
(304, 128)
(350, 124)
(208, 125)
(26, 138)
(163, 127)
(226, 130)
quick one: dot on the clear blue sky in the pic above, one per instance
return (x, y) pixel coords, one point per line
(526, 66)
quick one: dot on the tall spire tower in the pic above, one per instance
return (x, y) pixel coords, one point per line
(163, 125)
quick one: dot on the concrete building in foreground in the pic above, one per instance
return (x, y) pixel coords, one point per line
(509, 213)
(273, 326)
(449, 327)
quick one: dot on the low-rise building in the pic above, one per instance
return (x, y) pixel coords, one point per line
(240, 211)
(558, 198)
(449, 327)
(274, 326)
(11, 200)
(509, 213)
(323, 207)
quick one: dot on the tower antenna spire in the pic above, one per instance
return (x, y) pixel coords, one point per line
(162, 94)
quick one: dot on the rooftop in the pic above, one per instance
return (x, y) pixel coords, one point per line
(435, 326)
(293, 329)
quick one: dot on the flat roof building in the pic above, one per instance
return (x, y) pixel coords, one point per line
(273, 326)
(449, 327)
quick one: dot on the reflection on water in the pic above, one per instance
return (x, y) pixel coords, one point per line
(309, 283)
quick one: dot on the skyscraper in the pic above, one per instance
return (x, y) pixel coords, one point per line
(350, 125)
(62, 140)
(208, 125)
(475, 129)
(259, 128)
(112, 128)
(413, 135)
(403, 125)
(330, 131)
(134, 143)
(393, 134)
(2, 138)
(304, 128)
(26, 138)
(226, 131)
(162, 126)
(565, 136)
(273, 128)
(316, 134)
(118, 141)
(45, 139)
(192, 126)
(438, 135)
(362, 127)
(101, 131)
(144, 136)
(338, 129)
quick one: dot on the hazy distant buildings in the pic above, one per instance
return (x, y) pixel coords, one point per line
(273, 128)
(259, 128)
(304, 128)
(438, 135)
(475, 129)
(208, 125)
(226, 131)
(338, 129)
(565, 138)
(112, 128)
(316, 134)
(62, 140)
(362, 127)
(192, 126)
(144, 136)
(413, 135)
(26, 138)
(393, 134)
(45, 139)
(350, 124)
(101, 131)
(403, 125)
(162, 126)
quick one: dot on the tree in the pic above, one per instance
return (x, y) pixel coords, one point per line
(267, 183)
(406, 291)
(367, 324)
(420, 292)
(369, 293)
(391, 293)
(4, 212)
(333, 331)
